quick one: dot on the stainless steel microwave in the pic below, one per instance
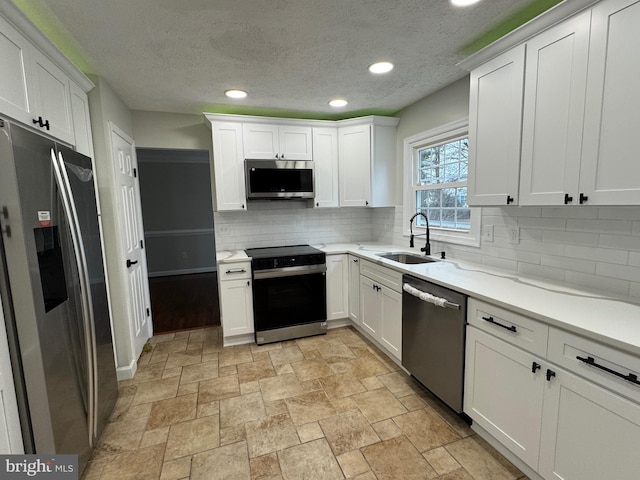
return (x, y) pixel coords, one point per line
(279, 179)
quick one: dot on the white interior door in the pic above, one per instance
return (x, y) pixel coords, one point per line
(131, 238)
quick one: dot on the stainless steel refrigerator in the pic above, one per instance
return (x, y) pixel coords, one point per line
(53, 289)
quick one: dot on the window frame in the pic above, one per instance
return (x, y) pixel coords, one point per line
(412, 145)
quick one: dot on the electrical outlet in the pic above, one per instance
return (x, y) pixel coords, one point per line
(514, 234)
(487, 233)
(223, 229)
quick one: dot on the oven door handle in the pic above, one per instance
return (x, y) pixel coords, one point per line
(289, 271)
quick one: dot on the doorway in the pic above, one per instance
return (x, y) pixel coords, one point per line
(175, 189)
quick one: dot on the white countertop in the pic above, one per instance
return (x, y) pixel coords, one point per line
(604, 318)
(232, 256)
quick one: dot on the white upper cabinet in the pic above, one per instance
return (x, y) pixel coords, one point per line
(580, 114)
(554, 90)
(610, 173)
(367, 153)
(495, 116)
(354, 160)
(277, 142)
(81, 121)
(40, 87)
(228, 166)
(16, 79)
(53, 98)
(355, 165)
(325, 157)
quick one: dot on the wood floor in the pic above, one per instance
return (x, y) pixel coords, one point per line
(183, 302)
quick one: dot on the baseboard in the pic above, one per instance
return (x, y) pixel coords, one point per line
(376, 343)
(338, 323)
(127, 373)
(524, 468)
(238, 340)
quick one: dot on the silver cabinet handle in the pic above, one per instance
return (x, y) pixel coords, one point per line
(235, 270)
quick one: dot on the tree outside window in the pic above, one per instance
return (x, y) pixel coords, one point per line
(441, 185)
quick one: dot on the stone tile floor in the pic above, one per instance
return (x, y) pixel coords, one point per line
(326, 407)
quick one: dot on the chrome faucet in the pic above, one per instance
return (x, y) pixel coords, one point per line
(427, 248)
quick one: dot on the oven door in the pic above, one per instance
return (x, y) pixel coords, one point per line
(286, 297)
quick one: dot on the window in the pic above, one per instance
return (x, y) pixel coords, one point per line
(441, 187)
(436, 163)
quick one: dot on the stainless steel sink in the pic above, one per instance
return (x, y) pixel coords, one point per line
(407, 258)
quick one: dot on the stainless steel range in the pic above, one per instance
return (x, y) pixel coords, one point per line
(289, 292)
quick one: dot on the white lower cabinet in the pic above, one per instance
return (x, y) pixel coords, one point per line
(391, 325)
(588, 432)
(502, 393)
(236, 300)
(354, 289)
(381, 306)
(337, 286)
(582, 424)
(371, 315)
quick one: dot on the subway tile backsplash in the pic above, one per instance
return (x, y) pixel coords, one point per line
(590, 247)
(267, 224)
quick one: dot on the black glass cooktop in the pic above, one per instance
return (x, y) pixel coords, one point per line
(289, 255)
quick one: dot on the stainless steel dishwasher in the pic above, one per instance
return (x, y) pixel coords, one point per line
(433, 335)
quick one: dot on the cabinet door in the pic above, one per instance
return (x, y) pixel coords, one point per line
(236, 307)
(53, 97)
(16, 81)
(495, 120)
(555, 83)
(295, 143)
(610, 175)
(588, 433)
(354, 289)
(503, 395)
(325, 159)
(391, 324)
(370, 308)
(383, 166)
(337, 286)
(81, 121)
(260, 141)
(354, 146)
(228, 166)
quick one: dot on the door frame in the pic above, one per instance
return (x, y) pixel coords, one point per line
(128, 344)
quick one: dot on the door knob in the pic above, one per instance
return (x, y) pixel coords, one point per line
(130, 262)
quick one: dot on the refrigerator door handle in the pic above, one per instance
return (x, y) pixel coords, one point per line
(64, 187)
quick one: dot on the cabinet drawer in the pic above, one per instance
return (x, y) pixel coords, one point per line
(385, 276)
(234, 271)
(601, 364)
(517, 329)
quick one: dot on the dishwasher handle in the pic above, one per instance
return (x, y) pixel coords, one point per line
(427, 297)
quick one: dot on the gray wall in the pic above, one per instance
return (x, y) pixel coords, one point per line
(176, 207)
(171, 130)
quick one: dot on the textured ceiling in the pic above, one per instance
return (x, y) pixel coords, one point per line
(292, 56)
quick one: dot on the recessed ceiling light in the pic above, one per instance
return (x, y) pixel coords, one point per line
(381, 67)
(338, 102)
(235, 93)
(463, 3)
